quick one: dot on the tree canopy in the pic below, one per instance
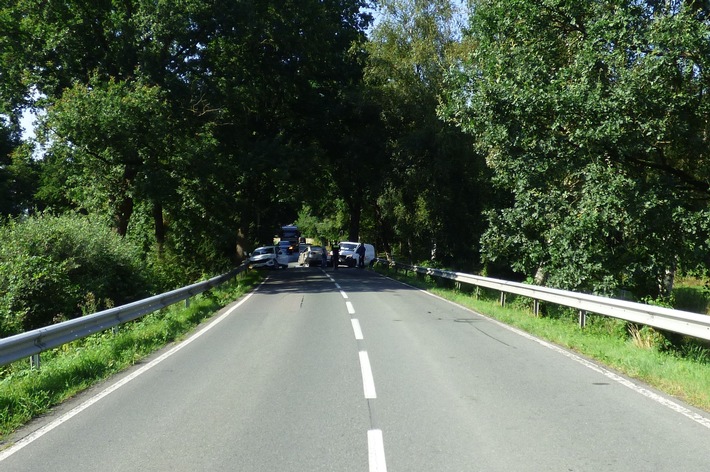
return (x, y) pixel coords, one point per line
(554, 140)
(181, 123)
(436, 186)
(593, 117)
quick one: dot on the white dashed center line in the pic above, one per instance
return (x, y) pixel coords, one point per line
(368, 381)
(375, 443)
(376, 449)
(356, 329)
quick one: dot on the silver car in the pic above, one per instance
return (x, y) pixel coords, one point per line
(311, 256)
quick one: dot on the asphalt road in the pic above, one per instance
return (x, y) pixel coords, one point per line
(349, 371)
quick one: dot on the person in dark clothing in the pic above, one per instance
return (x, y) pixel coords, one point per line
(336, 256)
(360, 251)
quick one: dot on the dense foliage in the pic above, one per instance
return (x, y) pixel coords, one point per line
(178, 122)
(593, 117)
(435, 189)
(57, 268)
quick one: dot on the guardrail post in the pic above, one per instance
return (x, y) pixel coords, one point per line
(582, 318)
(536, 307)
(187, 302)
(34, 361)
(502, 298)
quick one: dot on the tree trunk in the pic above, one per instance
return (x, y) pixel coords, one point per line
(383, 233)
(123, 202)
(240, 252)
(355, 208)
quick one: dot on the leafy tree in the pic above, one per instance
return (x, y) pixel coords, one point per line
(285, 81)
(355, 158)
(592, 117)
(297, 68)
(19, 179)
(192, 113)
(107, 143)
(122, 121)
(436, 186)
(7, 144)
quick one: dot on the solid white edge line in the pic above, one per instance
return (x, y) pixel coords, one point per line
(376, 451)
(678, 408)
(368, 381)
(351, 309)
(356, 329)
(78, 409)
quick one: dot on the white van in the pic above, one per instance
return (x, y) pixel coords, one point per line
(349, 258)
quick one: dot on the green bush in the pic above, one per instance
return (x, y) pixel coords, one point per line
(692, 298)
(54, 268)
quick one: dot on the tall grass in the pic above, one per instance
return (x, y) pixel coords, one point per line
(26, 392)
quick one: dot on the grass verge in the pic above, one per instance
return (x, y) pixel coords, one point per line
(680, 368)
(26, 393)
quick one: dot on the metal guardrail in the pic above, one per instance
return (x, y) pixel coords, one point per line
(684, 322)
(31, 343)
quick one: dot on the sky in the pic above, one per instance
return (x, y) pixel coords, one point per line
(27, 122)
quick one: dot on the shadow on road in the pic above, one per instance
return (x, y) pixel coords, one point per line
(316, 280)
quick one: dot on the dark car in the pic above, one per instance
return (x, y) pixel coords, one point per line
(290, 248)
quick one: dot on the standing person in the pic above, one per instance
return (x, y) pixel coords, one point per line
(324, 252)
(360, 251)
(336, 256)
